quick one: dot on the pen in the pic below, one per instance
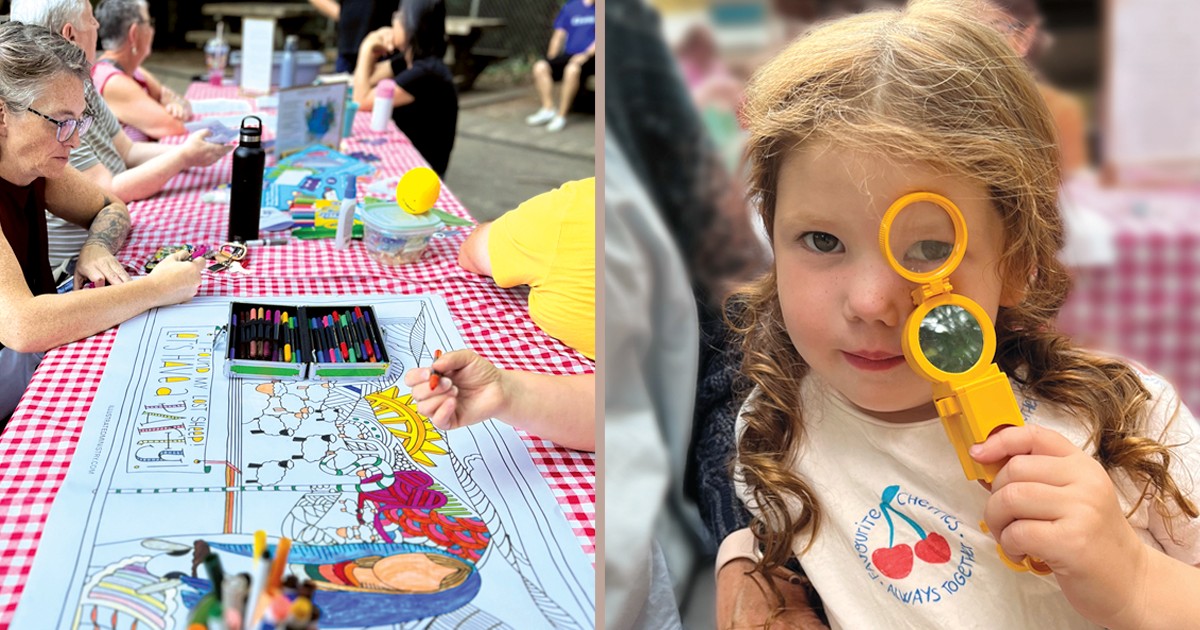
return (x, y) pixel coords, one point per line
(434, 374)
(340, 334)
(362, 334)
(376, 339)
(232, 338)
(280, 563)
(267, 242)
(258, 592)
(216, 576)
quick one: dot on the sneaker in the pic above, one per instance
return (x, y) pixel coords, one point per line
(557, 124)
(542, 117)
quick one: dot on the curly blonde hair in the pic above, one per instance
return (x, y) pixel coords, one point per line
(924, 85)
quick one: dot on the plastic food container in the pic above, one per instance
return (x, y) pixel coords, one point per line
(395, 237)
(308, 66)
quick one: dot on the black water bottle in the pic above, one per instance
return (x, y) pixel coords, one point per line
(245, 192)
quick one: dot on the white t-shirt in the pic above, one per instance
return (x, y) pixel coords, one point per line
(923, 561)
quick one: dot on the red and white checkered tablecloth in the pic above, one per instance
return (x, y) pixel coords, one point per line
(41, 438)
(1145, 305)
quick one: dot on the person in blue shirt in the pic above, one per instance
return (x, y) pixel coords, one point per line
(571, 58)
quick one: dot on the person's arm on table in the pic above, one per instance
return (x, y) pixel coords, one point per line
(470, 389)
(473, 255)
(133, 106)
(73, 197)
(368, 71)
(177, 106)
(138, 153)
(328, 8)
(38, 323)
(151, 164)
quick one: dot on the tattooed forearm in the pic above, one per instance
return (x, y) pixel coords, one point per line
(110, 228)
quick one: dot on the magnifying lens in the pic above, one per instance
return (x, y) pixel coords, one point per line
(949, 339)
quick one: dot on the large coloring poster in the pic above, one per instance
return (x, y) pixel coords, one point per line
(401, 525)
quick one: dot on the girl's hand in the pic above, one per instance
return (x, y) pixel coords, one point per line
(469, 390)
(1054, 502)
(377, 44)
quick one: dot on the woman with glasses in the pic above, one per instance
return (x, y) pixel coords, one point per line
(425, 101)
(42, 115)
(139, 100)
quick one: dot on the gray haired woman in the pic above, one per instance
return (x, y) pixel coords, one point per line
(138, 99)
(41, 118)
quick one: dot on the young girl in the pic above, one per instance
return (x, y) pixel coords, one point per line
(425, 100)
(842, 458)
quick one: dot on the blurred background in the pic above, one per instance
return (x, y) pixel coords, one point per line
(1117, 77)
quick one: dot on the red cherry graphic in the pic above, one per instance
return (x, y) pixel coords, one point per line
(934, 549)
(894, 562)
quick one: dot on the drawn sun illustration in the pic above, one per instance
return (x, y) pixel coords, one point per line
(398, 414)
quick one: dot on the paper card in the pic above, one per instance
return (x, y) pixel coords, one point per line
(310, 115)
(258, 41)
(203, 106)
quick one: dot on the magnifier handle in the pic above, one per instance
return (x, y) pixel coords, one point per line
(973, 411)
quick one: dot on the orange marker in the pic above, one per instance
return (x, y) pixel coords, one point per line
(434, 376)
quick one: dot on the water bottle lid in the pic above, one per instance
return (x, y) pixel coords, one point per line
(251, 134)
(385, 89)
(291, 43)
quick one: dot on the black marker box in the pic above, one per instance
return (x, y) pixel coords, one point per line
(256, 347)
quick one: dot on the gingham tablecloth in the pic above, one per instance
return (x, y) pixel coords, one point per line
(41, 438)
(1145, 304)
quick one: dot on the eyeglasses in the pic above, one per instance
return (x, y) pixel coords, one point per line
(66, 128)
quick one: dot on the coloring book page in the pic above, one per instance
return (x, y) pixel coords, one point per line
(399, 524)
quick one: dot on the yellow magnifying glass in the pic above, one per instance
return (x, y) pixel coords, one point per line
(949, 339)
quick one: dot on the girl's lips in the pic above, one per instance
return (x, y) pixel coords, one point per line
(873, 361)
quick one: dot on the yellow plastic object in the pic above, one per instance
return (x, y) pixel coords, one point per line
(949, 339)
(418, 190)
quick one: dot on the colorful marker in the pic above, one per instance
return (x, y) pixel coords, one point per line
(434, 375)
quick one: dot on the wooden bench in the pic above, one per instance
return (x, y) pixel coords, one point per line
(466, 61)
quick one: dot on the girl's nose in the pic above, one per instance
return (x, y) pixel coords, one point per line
(877, 294)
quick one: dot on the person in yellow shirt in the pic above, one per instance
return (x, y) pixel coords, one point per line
(548, 243)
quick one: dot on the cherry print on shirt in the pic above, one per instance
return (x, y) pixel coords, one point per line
(896, 561)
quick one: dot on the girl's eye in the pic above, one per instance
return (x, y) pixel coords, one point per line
(821, 242)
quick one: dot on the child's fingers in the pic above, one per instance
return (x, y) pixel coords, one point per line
(1029, 537)
(1054, 471)
(1024, 501)
(1023, 440)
